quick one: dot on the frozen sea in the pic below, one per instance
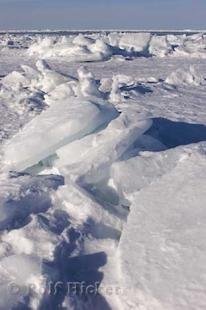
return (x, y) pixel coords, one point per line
(103, 170)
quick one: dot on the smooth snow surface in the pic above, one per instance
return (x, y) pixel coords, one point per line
(103, 171)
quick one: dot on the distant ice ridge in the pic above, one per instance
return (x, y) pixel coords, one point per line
(98, 47)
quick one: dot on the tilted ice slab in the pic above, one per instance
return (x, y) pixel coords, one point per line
(162, 249)
(93, 154)
(60, 124)
(133, 174)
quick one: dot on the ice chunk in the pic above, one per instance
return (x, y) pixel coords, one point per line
(137, 42)
(98, 151)
(60, 124)
(162, 249)
(135, 173)
(159, 46)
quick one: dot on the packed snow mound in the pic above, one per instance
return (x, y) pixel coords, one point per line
(60, 124)
(182, 77)
(162, 249)
(79, 48)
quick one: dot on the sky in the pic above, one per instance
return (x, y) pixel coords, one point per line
(106, 14)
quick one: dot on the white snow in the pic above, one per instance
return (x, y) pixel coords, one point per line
(102, 178)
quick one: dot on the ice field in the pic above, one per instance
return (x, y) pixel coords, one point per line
(103, 171)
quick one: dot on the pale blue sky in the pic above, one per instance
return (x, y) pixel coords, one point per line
(107, 14)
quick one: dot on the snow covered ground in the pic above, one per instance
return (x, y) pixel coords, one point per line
(103, 171)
